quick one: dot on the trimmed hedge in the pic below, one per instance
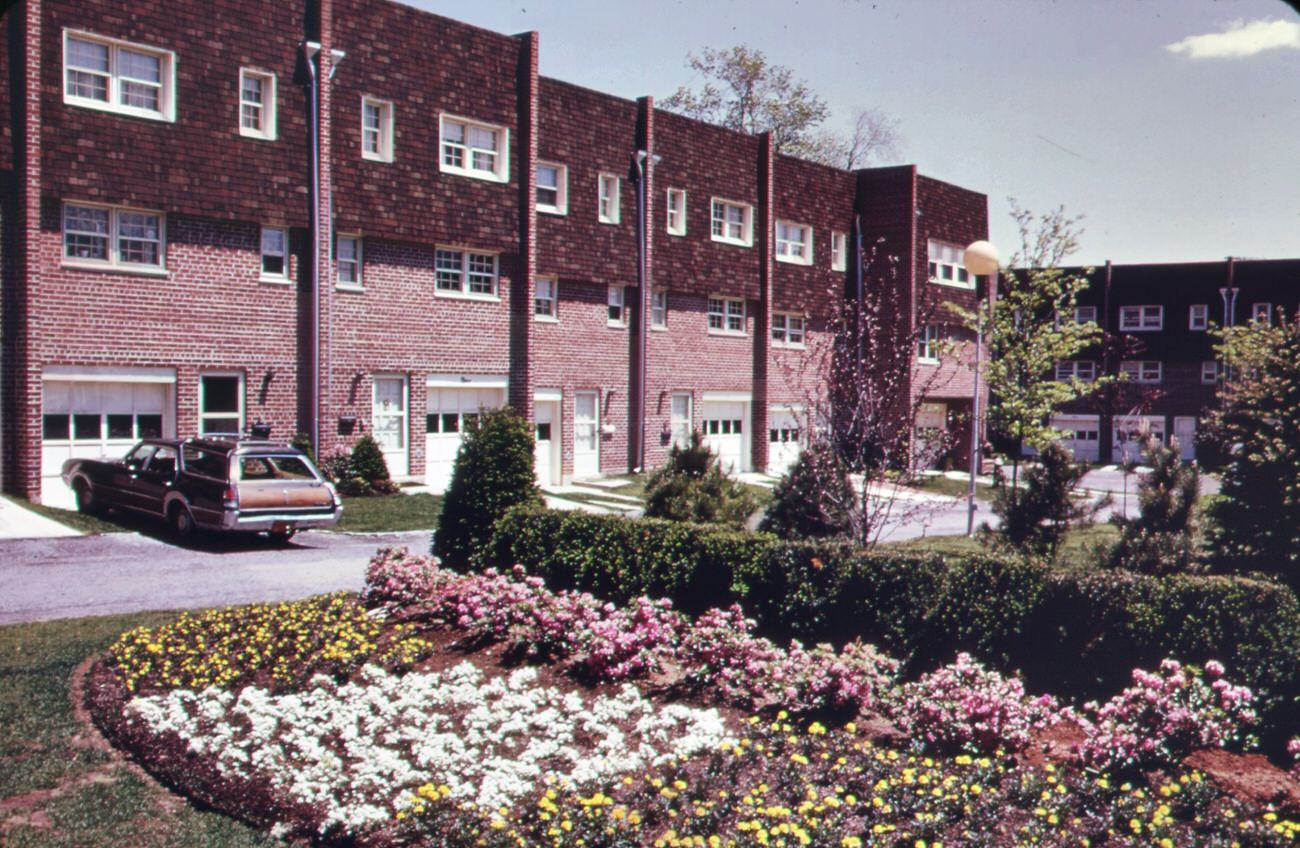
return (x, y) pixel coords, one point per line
(1074, 635)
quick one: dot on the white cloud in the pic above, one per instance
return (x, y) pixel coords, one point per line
(1239, 40)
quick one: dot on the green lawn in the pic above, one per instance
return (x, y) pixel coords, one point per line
(953, 488)
(1076, 553)
(390, 514)
(60, 791)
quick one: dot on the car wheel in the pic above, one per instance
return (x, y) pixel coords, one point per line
(87, 503)
(281, 537)
(182, 521)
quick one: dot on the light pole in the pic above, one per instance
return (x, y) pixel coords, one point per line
(981, 261)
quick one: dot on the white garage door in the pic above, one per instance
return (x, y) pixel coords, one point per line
(1082, 435)
(784, 440)
(450, 412)
(724, 432)
(95, 419)
(1130, 435)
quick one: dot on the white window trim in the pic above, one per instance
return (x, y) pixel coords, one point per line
(1075, 315)
(1142, 325)
(1209, 373)
(958, 267)
(112, 263)
(783, 320)
(464, 293)
(839, 251)
(679, 194)
(552, 313)
(385, 131)
(499, 174)
(680, 428)
(928, 338)
(1204, 318)
(603, 181)
(621, 322)
(746, 225)
(1261, 313)
(1137, 370)
(561, 206)
(359, 283)
(167, 75)
(784, 247)
(203, 375)
(725, 329)
(283, 276)
(663, 325)
(268, 107)
(1071, 368)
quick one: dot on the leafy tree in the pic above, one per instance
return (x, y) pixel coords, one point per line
(814, 498)
(493, 472)
(1257, 427)
(1162, 539)
(690, 486)
(745, 92)
(1035, 520)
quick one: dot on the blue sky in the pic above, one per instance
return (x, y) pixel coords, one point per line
(1173, 126)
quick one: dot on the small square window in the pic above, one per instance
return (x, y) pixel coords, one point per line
(733, 223)
(1198, 316)
(676, 212)
(471, 149)
(617, 307)
(658, 309)
(376, 129)
(839, 251)
(794, 243)
(275, 254)
(608, 188)
(787, 330)
(256, 104)
(927, 344)
(465, 273)
(726, 315)
(1261, 313)
(1209, 373)
(347, 259)
(221, 404)
(546, 300)
(947, 264)
(552, 188)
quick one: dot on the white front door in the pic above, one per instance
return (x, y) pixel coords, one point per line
(1131, 433)
(546, 415)
(1082, 435)
(784, 440)
(931, 434)
(389, 423)
(1185, 432)
(586, 435)
(449, 415)
(95, 419)
(724, 433)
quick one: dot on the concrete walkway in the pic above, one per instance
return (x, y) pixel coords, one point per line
(18, 522)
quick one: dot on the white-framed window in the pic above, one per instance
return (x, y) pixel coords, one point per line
(1142, 370)
(676, 211)
(1141, 318)
(113, 237)
(473, 149)
(347, 261)
(733, 223)
(679, 419)
(617, 306)
(552, 188)
(221, 403)
(1076, 315)
(726, 315)
(1261, 313)
(546, 299)
(927, 343)
(607, 189)
(794, 243)
(117, 76)
(376, 129)
(839, 251)
(463, 272)
(1198, 316)
(946, 263)
(275, 254)
(1084, 370)
(658, 309)
(788, 329)
(256, 104)
(1209, 373)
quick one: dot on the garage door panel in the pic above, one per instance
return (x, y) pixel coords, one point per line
(445, 424)
(724, 432)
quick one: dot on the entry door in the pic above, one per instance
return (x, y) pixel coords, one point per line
(931, 434)
(1185, 432)
(783, 439)
(389, 423)
(547, 418)
(586, 435)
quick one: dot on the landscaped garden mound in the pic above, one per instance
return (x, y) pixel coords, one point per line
(444, 709)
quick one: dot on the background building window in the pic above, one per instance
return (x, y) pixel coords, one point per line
(376, 129)
(275, 254)
(1198, 316)
(676, 212)
(117, 76)
(659, 309)
(109, 236)
(1141, 370)
(347, 258)
(459, 271)
(552, 189)
(793, 243)
(787, 330)
(617, 306)
(726, 315)
(927, 344)
(256, 104)
(1141, 318)
(474, 150)
(733, 222)
(221, 404)
(946, 264)
(607, 185)
(839, 251)
(546, 300)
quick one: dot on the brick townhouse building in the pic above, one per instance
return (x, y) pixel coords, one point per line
(1161, 317)
(351, 216)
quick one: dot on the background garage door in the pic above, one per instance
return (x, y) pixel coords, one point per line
(449, 412)
(784, 440)
(1082, 435)
(95, 419)
(724, 432)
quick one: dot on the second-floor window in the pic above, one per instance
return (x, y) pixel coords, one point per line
(607, 188)
(726, 315)
(927, 344)
(1142, 370)
(733, 223)
(1198, 316)
(617, 304)
(475, 150)
(464, 272)
(793, 243)
(1261, 313)
(112, 237)
(552, 188)
(787, 329)
(546, 300)
(376, 130)
(347, 258)
(676, 212)
(1141, 318)
(659, 309)
(275, 254)
(1076, 315)
(1209, 372)
(1078, 369)
(946, 264)
(839, 251)
(256, 104)
(117, 76)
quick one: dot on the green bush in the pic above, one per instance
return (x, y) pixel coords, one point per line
(1162, 539)
(1035, 518)
(690, 486)
(493, 472)
(813, 500)
(368, 461)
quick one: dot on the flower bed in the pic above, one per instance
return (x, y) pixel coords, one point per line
(398, 718)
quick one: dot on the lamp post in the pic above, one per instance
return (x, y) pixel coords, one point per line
(981, 261)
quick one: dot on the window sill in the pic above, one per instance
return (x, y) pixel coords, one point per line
(613, 222)
(840, 268)
(735, 242)
(372, 157)
(729, 334)
(456, 295)
(789, 346)
(485, 176)
(104, 267)
(921, 360)
(553, 210)
(788, 260)
(952, 284)
(546, 319)
(658, 328)
(1140, 329)
(350, 287)
(274, 281)
(102, 106)
(676, 233)
(616, 325)
(256, 136)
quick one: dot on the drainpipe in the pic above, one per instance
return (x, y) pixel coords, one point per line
(311, 51)
(644, 162)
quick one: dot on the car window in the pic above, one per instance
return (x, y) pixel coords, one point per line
(163, 461)
(141, 454)
(205, 462)
(275, 468)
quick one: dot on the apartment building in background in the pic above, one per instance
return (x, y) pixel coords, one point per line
(342, 217)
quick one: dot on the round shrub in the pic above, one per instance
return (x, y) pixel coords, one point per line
(692, 487)
(814, 498)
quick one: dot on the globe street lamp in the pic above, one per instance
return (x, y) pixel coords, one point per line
(982, 261)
